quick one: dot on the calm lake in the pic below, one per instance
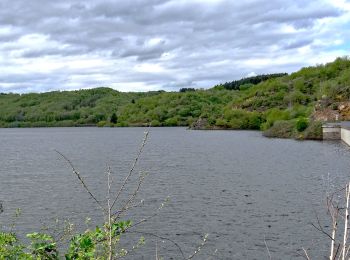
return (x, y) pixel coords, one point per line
(237, 186)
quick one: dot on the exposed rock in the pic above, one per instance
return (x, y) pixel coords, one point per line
(201, 123)
(326, 114)
(323, 103)
(344, 110)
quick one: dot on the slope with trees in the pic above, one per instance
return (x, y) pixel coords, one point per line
(279, 104)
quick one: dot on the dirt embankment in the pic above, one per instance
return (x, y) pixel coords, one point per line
(331, 112)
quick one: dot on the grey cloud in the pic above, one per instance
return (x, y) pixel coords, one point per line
(51, 52)
(18, 78)
(175, 85)
(193, 34)
(298, 43)
(8, 38)
(144, 52)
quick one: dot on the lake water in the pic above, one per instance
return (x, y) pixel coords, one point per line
(237, 186)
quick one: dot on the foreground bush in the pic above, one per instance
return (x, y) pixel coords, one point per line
(92, 244)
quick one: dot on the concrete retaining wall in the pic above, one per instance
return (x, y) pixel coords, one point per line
(345, 135)
(331, 132)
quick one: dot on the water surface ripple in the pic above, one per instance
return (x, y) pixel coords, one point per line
(237, 186)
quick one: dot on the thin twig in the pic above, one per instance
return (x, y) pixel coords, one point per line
(131, 198)
(306, 255)
(346, 217)
(119, 212)
(149, 217)
(347, 251)
(132, 168)
(81, 180)
(212, 255)
(336, 252)
(163, 238)
(322, 231)
(157, 250)
(110, 253)
(199, 247)
(267, 248)
(334, 212)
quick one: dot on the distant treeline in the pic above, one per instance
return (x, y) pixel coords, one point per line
(187, 89)
(236, 84)
(280, 103)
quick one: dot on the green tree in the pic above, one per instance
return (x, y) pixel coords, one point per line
(114, 118)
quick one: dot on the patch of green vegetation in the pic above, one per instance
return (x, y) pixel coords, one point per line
(281, 129)
(251, 103)
(314, 131)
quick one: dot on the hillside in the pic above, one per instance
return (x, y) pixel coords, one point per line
(281, 105)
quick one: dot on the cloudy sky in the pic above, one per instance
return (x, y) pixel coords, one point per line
(141, 45)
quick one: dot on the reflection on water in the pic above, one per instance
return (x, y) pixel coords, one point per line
(237, 186)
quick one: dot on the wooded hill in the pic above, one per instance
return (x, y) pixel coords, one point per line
(281, 105)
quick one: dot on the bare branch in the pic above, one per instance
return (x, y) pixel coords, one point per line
(110, 251)
(322, 231)
(132, 168)
(81, 180)
(336, 252)
(346, 217)
(199, 247)
(149, 217)
(131, 198)
(157, 258)
(267, 248)
(306, 255)
(163, 238)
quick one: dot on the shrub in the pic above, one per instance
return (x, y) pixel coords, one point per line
(114, 118)
(302, 124)
(281, 129)
(235, 123)
(314, 131)
(273, 115)
(300, 111)
(155, 123)
(254, 122)
(101, 123)
(123, 124)
(220, 122)
(171, 121)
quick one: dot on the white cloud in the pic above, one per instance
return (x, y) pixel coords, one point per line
(153, 44)
(251, 74)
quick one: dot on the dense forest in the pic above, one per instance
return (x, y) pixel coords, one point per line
(279, 104)
(248, 82)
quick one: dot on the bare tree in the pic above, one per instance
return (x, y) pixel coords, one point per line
(112, 213)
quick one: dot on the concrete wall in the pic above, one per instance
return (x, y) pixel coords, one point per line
(331, 132)
(345, 135)
(336, 131)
